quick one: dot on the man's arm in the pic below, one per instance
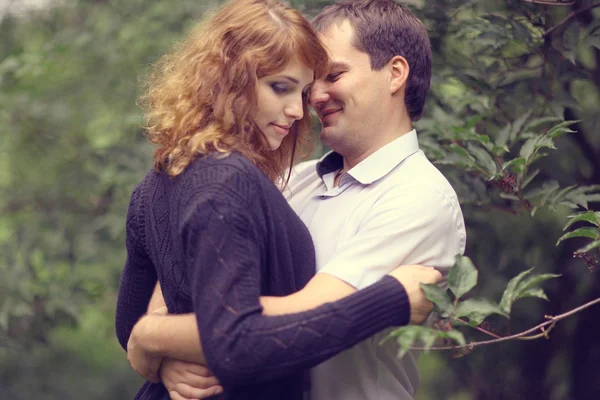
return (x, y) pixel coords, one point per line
(157, 301)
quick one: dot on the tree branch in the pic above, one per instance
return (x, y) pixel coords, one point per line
(520, 336)
(571, 15)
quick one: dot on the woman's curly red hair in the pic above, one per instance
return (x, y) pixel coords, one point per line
(201, 97)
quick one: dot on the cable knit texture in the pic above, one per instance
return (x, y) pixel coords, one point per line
(218, 237)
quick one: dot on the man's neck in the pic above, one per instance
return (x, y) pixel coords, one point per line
(353, 159)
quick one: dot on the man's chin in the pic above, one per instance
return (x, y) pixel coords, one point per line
(328, 135)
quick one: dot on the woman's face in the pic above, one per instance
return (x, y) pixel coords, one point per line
(280, 100)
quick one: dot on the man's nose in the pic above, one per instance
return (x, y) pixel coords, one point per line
(318, 94)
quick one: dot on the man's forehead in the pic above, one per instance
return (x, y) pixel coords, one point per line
(337, 40)
(341, 31)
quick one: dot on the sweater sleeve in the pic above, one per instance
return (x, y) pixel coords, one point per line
(222, 241)
(139, 275)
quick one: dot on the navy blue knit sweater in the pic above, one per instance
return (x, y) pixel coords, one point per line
(219, 236)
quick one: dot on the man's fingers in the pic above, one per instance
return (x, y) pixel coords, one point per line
(176, 396)
(198, 369)
(200, 382)
(187, 391)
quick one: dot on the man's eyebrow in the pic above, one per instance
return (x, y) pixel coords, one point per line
(337, 65)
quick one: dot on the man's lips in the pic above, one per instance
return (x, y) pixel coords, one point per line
(327, 113)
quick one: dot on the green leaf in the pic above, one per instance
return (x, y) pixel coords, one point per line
(582, 195)
(462, 152)
(503, 136)
(477, 310)
(592, 40)
(455, 335)
(517, 126)
(570, 40)
(528, 148)
(500, 150)
(547, 188)
(529, 178)
(406, 337)
(509, 196)
(533, 292)
(522, 286)
(472, 121)
(520, 30)
(533, 281)
(563, 193)
(592, 233)
(438, 296)
(484, 159)
(495, 19)
(535, 143)
(561, 128)
(591, 246)
(534, 123)
(508, 297)
(462, 276)
(516, 164)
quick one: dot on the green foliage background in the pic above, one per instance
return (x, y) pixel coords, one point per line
(71, 150)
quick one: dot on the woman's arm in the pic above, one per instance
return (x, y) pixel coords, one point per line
(176, 336)
(222, 237)
(138, 278)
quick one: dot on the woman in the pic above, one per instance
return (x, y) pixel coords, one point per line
(228, 111)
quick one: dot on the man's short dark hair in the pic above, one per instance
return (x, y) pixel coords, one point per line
(384, 29)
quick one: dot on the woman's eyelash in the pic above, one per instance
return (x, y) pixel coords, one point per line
(279, 87)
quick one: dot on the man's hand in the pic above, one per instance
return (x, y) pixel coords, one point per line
(143, 361)
(411, 276)
(186, 381)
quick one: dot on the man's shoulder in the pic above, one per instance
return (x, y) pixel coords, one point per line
(417, 172)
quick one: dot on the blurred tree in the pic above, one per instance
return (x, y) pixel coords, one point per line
(71, 149)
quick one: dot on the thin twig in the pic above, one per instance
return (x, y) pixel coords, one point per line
(521, 336)
(544, 333)
(572, 14)
(480, 329)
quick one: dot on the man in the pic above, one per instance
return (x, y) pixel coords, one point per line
(375, 202)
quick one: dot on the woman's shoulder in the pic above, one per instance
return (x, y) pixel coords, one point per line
(221, 165)
(222, 174)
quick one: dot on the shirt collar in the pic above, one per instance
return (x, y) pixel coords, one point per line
(378, 164)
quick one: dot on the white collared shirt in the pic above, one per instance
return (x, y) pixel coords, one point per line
(391, 209)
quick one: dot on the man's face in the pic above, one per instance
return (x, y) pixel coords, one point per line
(348, 100)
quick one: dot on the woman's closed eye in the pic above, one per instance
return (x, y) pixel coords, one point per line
(280, 88)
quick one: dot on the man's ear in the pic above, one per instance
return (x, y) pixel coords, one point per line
(399, 73)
